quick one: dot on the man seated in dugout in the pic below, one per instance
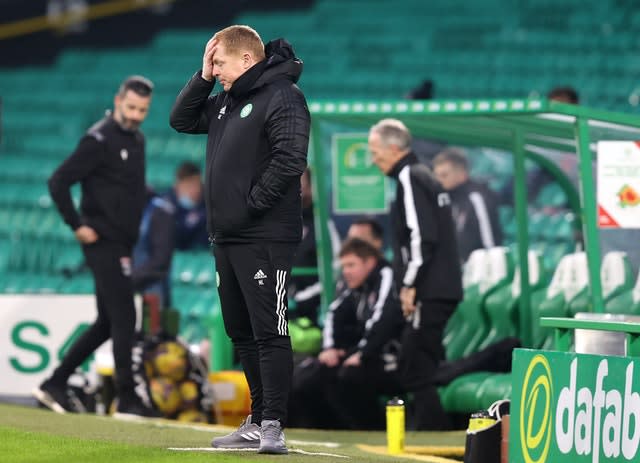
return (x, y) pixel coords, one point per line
(339, 388)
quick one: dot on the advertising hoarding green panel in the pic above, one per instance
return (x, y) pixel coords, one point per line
(360, 187)
(574, 408)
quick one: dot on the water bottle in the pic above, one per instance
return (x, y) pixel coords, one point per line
(395, 426)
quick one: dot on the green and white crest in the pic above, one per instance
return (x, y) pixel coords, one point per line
(246, 110)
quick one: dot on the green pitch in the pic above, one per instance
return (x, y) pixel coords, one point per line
(34, 436)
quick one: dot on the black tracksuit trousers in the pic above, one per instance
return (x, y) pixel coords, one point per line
(252, 284)
(421, 353)
(110, 264)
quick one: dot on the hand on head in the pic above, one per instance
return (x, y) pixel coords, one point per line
(207, 59)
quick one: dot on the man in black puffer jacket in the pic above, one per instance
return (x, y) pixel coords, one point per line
(258, 135)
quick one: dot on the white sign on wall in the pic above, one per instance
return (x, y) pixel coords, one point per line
(618, 184)
(35, 332)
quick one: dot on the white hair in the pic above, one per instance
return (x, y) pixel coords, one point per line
(393, 132)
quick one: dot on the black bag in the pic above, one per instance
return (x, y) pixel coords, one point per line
(484, 436)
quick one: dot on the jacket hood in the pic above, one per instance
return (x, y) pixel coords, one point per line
(280, 62)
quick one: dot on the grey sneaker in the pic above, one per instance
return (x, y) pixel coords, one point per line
(272, 438)
(247, 436)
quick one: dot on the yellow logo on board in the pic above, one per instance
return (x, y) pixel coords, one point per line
(536, 417)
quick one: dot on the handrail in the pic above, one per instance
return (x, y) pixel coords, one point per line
(563, 327)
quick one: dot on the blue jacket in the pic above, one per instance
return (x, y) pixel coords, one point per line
(153, 252)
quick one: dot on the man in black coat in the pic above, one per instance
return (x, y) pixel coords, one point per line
(474, 206)
(258, 134)
(109, 163)
(426, 264)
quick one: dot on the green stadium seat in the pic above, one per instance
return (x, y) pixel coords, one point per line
(551, 195)
(501, 305)
(493, 388)
(616, 275)
(626, 302)
(460, 395)
(79, 284)
(472, 275)
(568, 285)
(467, 328)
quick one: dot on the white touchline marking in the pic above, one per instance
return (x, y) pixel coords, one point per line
(211, 449)
(331, 445)
(217, 428)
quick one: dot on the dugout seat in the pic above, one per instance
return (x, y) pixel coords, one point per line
(501, 305)
(486, 272)
(568, 285)
(478, 390)
(616, 275)
(625, 301)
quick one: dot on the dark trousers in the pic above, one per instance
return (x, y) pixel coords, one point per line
(421, 353)
(111, 267)
(253, 280)
(340, 397)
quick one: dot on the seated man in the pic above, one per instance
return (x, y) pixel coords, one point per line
(339, 388)
(190, 212)
(153, 251)
(367, 229)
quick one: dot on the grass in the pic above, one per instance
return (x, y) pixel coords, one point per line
(34, 436)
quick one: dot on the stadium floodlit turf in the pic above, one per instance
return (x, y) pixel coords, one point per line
(32, 435)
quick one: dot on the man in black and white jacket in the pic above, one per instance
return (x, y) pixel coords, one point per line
(474, 206)
(339, 388)
(258, 135)
(426, 264)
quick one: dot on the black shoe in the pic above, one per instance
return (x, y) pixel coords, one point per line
(53, 396)
(134, 409)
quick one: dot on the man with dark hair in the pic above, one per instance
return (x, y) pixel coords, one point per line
(473, 205)
(367, 229)
(190, 213)
(426, 264)
(339, 388)
(109, 163)
(258, 136)
(564, 95)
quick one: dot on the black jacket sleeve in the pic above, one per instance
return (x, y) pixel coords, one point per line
(422, 223)
(190, 111)
(386, 320)
(340, 324)
(287, 127)
(87, 156)
(161, 230)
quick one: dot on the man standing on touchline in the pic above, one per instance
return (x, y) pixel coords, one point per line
(258, 135)
(426, 265)
(109, 163)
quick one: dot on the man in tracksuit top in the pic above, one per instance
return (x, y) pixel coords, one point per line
(473, 205)
(258, 134)
(109, 163)
(426, 264)
(339, 388)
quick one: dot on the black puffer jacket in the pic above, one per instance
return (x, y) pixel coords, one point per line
(256, 149)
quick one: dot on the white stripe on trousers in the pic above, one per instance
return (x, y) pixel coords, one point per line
(281, 277)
